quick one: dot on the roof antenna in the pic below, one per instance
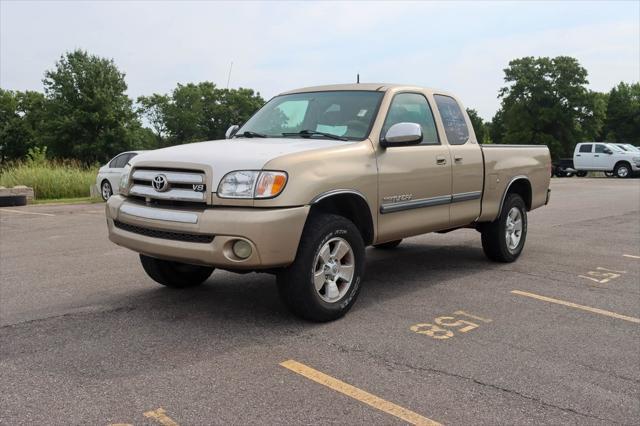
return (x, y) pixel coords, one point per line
(229, 77)
(358, 78)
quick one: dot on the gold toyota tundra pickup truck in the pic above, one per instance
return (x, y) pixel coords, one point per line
(314, 177)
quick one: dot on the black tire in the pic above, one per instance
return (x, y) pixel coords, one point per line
(13, 200)
(295, 282)
(581, 173)
(388, 245)
(105, 190)
(622, 170)
(494, 240)
(175, 274)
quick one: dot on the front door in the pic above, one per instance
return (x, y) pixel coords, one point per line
(414, 182)
(601, 160)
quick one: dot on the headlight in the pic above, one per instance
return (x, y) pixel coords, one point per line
(124, 180)
(252, 184)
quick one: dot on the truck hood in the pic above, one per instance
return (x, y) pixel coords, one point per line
(227, 155)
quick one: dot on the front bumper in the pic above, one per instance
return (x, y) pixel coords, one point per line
(273, 234)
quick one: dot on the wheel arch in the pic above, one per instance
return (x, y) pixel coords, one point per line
(519, 185)
(619, 162)
(348, 203)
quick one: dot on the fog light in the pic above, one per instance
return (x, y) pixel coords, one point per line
(242, 249)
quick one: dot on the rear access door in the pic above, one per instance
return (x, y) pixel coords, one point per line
(467, 168)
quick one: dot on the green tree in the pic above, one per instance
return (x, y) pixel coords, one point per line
(89, 115)
(21, 122)
(622, 122)
(479, 126)
(154, 108)
(197, 112)
(545, 102)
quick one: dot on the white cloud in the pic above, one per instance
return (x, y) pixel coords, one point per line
(275, 46)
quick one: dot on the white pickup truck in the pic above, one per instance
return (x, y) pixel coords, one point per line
(605, 157)
(314, 177)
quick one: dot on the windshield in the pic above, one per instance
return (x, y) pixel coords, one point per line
(346, 115)
(631, 148)
(624, 148)
(615, 148)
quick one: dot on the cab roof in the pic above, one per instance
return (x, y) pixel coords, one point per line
(377, 87)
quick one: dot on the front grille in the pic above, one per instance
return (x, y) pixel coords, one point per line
(181, 185)
(167, 235)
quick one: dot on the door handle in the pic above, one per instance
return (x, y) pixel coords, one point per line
(441, 161)
(596, 156)
(578, 155)
(458, 159)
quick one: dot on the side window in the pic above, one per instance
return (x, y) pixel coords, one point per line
(412, 108)
(585, 147)
(120, 161)
(114, 164)
(453, 120)
(599, 148)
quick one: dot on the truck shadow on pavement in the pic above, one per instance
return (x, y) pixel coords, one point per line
(171, 328)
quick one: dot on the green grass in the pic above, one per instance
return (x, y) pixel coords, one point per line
(51, 179)
(79, 200)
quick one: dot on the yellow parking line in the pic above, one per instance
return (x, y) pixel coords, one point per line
(362, 396)
(575, 305)
(21, 212)
(160, 415)
(631, 256)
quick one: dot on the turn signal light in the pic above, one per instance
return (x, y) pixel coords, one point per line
(270, 184)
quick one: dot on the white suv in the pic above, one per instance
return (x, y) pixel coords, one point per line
(605, 157)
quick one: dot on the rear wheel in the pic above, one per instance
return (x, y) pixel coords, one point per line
(581, 173)
(388, 245)
(324, 280)
(503, 239)
(175, 274)
(622, 170)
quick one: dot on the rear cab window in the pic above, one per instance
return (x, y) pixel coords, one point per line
(455, 125)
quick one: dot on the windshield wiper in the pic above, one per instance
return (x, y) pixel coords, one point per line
(310, 133)
(250, 134)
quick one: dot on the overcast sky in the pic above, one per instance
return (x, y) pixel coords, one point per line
(275, 46)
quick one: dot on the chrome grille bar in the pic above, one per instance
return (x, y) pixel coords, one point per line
(172, 177)
(175, 194)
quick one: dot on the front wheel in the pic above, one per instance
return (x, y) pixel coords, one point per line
(324, 280)
(175, 274)
(105, 190)
(503, 239)
(622, 170)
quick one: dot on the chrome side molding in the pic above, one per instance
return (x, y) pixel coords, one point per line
(430, 202)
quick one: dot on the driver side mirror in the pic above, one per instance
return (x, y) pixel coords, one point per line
(608, 151)
(232, 130)
(402, 134)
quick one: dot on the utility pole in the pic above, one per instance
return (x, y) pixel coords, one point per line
(229, 77)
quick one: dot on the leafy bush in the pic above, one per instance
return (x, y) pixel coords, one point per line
(50, 179)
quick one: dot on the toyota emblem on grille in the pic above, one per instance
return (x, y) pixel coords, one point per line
(160, 183)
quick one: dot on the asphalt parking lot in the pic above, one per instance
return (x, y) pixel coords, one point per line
(439, 334)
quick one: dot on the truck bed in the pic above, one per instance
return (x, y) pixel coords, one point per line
(505, 163)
